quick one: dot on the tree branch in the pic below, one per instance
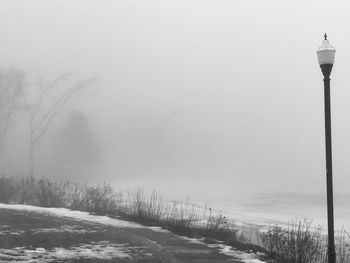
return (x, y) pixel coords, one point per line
(43, 93)
(45, 121)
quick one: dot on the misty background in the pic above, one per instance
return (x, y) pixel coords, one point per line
(211, 99)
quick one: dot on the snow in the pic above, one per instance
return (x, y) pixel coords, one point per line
(226, 250)
(15, 233)
(230, 251)
(193, 240)
(78, 215)
(64, 228)
(93, 250)
(158, 229)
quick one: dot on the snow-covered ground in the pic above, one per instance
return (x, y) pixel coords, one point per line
(228, 250)
(93, 250)
(64, 228)
(78, 215)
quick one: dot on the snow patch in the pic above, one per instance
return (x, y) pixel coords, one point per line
(94, 250)
(65, 229)
(193, 240)
(5, 230)
(15, 233)
(230, 251)
(227, 250)
(78, 215)
(158, 229)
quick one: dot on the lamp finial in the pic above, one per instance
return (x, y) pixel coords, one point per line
(325, 36)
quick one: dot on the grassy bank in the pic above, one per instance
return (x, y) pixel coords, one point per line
(297, 243)
(179, 217)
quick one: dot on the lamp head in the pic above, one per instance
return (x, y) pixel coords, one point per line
(325, 52)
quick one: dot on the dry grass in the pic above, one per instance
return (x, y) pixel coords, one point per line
(300, 244)
(343, 246)
(180, 217)
(297, 243)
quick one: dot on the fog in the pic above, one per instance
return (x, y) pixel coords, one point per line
(203, 98)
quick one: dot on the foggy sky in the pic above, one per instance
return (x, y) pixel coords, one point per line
(199, 97)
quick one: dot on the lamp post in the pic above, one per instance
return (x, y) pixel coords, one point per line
(325, 55)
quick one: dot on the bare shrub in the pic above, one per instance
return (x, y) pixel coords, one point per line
(6, 189)
(76, 197)
(273, 240)
(50, 194)
(25, 190)
(297, 243)
(343, 247)
(155, 207)
(100, 199)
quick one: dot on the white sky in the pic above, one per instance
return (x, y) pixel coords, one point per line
(212, 97)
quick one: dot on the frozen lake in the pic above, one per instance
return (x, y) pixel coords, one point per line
(265, 209)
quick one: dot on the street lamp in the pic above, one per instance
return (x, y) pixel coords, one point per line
(325, 54)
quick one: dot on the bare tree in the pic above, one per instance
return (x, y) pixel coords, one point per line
(44, 108)
(11, 86)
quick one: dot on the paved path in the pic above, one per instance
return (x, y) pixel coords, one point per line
(37, 231)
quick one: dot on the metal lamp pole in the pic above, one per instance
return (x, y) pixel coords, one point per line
(325, 55)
